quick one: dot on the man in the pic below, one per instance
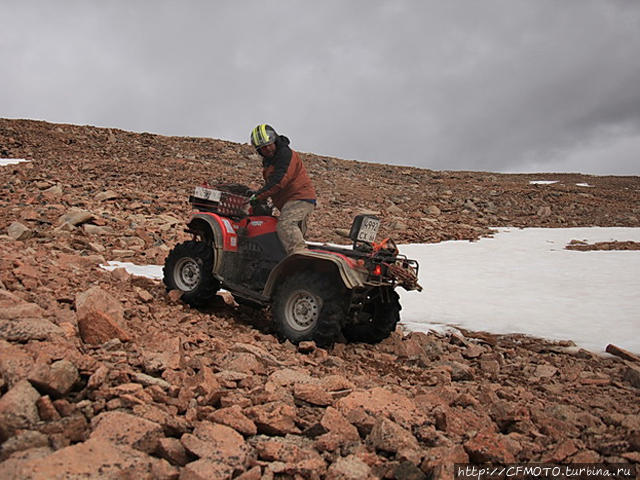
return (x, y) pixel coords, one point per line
(288, 185)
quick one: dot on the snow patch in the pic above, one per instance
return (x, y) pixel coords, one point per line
(542, 182)
(525, 281)
(11, 161)
(150, 271)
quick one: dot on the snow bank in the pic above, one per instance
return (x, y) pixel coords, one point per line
(524, 281)
(11, 161)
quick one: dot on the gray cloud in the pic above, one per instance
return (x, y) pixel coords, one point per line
(499, 85)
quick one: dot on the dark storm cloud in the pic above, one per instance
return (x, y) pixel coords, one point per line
(502, 85)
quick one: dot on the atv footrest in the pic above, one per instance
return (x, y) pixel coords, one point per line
(246, 293)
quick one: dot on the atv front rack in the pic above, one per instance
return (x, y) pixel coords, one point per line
(220, 202)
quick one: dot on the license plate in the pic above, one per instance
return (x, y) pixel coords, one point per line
(368, 229)
(207, 194)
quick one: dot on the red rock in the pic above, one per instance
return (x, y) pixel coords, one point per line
(633, 457)
(443, 395)
(260, 353)
(67, 430)
(126, 389)
(18, 409)
(206, 384)
(216, 442)
(488, 447)
(334, 422)
(349, 468)
(291, 376)
(172, 425)
(545, 371)
(632, 375)
(174, 296)
(458, 421)
(411, 346)
(337, 385)
(56, 379)
(273, 393)
(274, 418)
(162, 354)
(459, 371)
(171, 449)
(206, 469)
(506, 413)
(24, 440)
(15, 363)
(388, 436)
(100, 317)
(585, 456)
(379, 402)
(560, 452)
(126, 429)
(243, 362)
(84, 460)
(98, 378)
(276, 449)
(473, 351)
(66, 260)
(328, 442)
(229, 399)
(9, 468)
(439, 461)
(19, 231)
(408, 470)
(144, 295)
(13, 307)
(64, 407)
(234, 418)
(26, 329)
(46, 409)
(490, 366)
(253, 474)
(313, 394)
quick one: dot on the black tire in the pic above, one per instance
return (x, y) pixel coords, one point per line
(189, 268)
(384, 316)
(309, 306)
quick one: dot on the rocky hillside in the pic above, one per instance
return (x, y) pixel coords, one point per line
(105, 375)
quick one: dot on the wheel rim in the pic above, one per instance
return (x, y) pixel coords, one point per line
(187, 274)
(302, 310)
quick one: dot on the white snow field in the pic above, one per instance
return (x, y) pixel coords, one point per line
(525, 281)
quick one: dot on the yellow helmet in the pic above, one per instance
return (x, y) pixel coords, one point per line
(263, 135)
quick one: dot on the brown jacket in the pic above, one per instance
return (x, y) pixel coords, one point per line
(285, 177)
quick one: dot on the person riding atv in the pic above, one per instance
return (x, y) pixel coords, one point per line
(288, 185)
(324, 293)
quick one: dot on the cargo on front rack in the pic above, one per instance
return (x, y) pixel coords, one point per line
(220, 202)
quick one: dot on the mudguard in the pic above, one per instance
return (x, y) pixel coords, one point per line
(315, 260)
(221, 232)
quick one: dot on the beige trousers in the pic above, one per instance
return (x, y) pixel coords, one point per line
(292, 225)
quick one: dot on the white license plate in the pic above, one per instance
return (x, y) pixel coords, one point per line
(207, 194)
(368, 229)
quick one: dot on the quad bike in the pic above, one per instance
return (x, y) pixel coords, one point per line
(323, 294)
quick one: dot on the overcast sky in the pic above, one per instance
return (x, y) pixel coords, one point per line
(492, 85)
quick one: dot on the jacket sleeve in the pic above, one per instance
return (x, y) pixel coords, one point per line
(277, 179)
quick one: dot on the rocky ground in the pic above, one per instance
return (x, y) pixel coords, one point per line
(105, 375)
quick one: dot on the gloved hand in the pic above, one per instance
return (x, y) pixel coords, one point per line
(253, 200)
